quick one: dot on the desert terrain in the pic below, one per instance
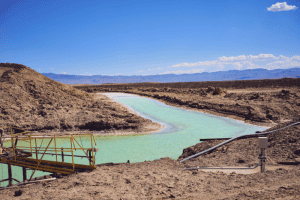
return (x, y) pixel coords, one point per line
(33, 102)
(272, 103)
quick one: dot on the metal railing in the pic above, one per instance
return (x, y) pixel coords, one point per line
(20, 155)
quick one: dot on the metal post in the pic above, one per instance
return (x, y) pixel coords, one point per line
(10, 183)
(90, 157)
(16, 142)
(72, 153)
(1, 134)
(262, 160)
(31, 146)
(36, 151)
(55, 148)
(12, 145)
(92, 152)
(1, 142)
(24, 173)
(62, 154)
(263, 144)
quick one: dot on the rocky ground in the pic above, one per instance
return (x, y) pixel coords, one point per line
(164, 179)
(167, 179)
(31, 101)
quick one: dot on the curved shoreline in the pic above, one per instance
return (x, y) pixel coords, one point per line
(235, 117)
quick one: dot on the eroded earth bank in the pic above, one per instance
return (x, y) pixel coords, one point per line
(33, 102)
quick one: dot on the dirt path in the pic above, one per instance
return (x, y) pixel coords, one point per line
(163, 179)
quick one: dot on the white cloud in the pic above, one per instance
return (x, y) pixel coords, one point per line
(295, 58)
(158, 68)
(284, 64)
(241, 62)
(237, 65)
(205, 63)
(237, 58)
(250, 57)
(141, 70)
(250, 65)
(191, 71)
(281, 7)
(64, 73)
(86, 74)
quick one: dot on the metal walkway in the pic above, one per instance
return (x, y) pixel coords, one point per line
(31, 156)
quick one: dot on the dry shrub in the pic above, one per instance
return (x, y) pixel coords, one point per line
(217, 91)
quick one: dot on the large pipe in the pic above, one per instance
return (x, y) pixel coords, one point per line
(230, 140)
(25, 183)
(226, 167)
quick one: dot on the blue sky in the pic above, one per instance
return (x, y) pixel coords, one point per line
(95, 37)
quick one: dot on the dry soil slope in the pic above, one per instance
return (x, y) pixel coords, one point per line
(32, 101)
(283, 146)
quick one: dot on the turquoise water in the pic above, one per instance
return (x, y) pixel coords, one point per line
(183, 128)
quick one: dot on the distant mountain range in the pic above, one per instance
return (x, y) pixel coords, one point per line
(250, 74)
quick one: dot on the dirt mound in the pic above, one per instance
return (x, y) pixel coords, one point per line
(32, 101)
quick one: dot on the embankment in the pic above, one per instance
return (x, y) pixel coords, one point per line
(276, 101)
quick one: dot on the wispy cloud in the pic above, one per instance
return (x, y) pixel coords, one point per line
(64, 73)
(158, 68)
(191, 71)
(86, 74)
(281, 7)
(249, 57)
(266, 61)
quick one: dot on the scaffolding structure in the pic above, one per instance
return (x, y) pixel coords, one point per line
(31, 156)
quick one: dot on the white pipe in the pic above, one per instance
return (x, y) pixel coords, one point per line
(225, 167)
(22, 183)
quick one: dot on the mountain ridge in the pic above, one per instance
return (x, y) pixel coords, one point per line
(249, 74)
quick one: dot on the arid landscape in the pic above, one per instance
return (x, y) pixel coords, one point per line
(31, 101)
